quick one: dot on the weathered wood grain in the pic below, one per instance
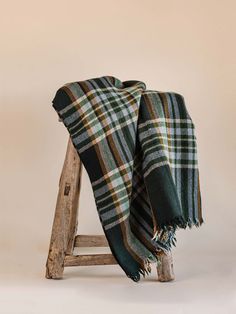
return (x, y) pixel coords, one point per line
(91, 241)
(165, 269)
(90, 259)
(65, 217)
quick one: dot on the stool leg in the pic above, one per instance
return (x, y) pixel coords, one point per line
(165, 270)
(65, 218)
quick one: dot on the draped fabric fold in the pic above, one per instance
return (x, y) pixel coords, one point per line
(139, 149)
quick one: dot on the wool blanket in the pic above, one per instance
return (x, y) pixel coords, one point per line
(139, 149)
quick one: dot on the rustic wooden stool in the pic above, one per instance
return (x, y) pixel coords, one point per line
(64, 238)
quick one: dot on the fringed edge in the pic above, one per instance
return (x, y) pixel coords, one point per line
(144, 270)
(165, 236)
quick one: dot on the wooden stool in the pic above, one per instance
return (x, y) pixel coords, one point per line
(64, 238)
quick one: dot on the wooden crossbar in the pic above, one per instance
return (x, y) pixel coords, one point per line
(90, 260)
(91, 241)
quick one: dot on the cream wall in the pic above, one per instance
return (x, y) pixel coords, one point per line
(183, 46)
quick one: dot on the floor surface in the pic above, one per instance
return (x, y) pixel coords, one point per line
(204, 284)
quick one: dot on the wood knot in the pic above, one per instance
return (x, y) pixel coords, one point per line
(67, 189)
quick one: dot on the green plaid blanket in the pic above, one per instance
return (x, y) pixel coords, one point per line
(138, 147)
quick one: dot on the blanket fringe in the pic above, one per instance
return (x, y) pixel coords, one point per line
(166, 239)
(165, 236)
(144, 269)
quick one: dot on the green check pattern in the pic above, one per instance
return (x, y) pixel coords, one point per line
(139, 149)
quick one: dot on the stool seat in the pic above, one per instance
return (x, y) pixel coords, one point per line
(64, 236)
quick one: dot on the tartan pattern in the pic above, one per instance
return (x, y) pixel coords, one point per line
(139, 149)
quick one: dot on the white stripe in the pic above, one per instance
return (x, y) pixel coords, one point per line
(113, 224)
(165, 120)
(86, 113)
(101, 137)
(94, 91)
(88, 125)
(162, 163)
(112, 172)
(124, 187)
(146, 134)
(113, 203)
(168, 146)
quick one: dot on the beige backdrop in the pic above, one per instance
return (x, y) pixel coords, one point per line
(183, 46)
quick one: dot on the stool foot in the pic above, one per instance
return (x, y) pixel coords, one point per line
(54, 265)
(165, 269)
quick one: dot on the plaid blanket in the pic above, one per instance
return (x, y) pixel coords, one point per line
(138, 147)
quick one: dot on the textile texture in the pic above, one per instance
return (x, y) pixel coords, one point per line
(139, 149)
